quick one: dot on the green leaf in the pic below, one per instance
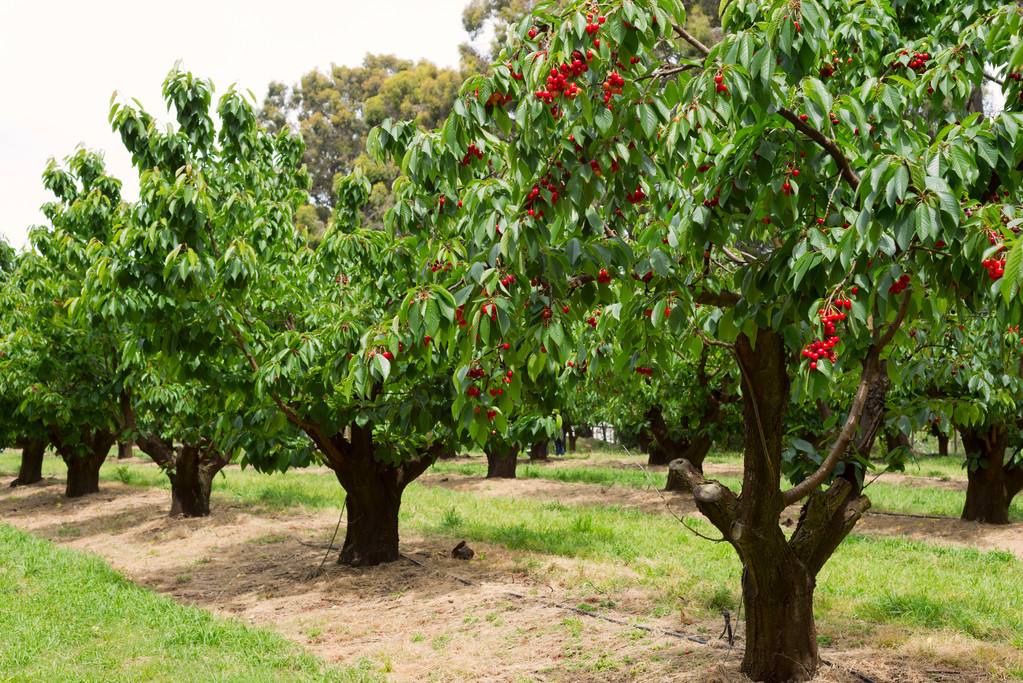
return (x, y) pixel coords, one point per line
(647, 119)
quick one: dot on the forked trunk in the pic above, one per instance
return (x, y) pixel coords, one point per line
(31, 469)
(190, 468)
(779, 573)
(501, 460)
(539, 450)
(83, 473)
(373, 498)
(987, 490)
(192, 480)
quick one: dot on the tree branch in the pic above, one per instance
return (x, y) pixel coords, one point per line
(844, 167)
(838, 449)
(889, 333)
(692, 40)
(715, 500)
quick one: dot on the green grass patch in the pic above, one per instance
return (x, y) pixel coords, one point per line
(69, 617)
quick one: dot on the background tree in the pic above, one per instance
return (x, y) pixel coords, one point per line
(65, 368)
(15, 431)
(334, 112)
(969, 375)
(308, 331)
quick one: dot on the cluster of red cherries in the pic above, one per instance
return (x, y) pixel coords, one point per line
(720, 86)
(900, 285)
(471, 153)
(437, 267)
(825, 348)
(645, 371)
(603, 277)
(558, 82)
(995, 265)
(635, 197)
(612, 86)
(918, 63)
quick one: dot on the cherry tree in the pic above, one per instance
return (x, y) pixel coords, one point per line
(816, 197)
(307, 332)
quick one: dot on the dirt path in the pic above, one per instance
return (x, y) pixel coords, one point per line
(414, 622)
(1008, 538)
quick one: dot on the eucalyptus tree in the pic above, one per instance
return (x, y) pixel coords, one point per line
(781, 179)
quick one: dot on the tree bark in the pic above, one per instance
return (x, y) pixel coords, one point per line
(83, 460)
(31, 469)
(83, 471)
(942, 443)
(373, 496)
(192, 480)
(539, 450)
(125, 450)
(987, 490)
(501, 460)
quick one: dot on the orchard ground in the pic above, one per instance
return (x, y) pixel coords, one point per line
(573, 539)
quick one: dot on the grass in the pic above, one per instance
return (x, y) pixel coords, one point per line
(869, 581)
(69, 617)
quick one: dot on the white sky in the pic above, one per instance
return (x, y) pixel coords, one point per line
(61, 60)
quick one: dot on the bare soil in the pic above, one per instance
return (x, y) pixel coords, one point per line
(500, 617)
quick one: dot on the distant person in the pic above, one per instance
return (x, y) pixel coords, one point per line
(559, 445)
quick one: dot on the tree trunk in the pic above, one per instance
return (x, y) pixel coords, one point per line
(31, 470)
(125, 450)
(83, 460)
(501, 460)
(781, 639)
(448, 453)
(987, 493)
(895, 438)
(695, 453)
(83, 473)
(192, 480)
(539, 450)
(942, 443)
(781, 636)
(373, 497)
(779, 573)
